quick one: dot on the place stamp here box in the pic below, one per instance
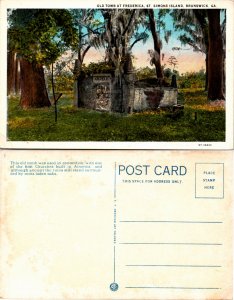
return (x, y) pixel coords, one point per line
(209, 180)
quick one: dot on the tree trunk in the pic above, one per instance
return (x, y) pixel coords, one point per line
(33, 87)
(207, 72)
(215, 61)
(224, 73)
(157, 49)
(13, 73)
(201, 17)
(79, 100)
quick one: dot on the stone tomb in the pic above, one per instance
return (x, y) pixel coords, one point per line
(100, 92)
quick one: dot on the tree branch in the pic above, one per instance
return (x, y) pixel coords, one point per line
(84, 53)
(136, 41)
(130, 21)
(95, 31)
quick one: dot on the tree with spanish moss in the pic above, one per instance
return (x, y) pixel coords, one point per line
(118, 38)
(203, 31)
(88, 25)
(156, 57)
(194, 27)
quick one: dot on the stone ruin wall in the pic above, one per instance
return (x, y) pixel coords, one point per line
(154, 98)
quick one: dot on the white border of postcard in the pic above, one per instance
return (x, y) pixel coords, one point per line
(228, 144)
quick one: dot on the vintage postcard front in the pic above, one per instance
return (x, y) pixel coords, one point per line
(116, 75)
(116, 225)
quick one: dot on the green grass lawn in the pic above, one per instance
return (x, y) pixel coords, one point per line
(85, 125)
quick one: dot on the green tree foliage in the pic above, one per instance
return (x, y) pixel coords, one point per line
(38, 36)
(168, 73)
(41, 35)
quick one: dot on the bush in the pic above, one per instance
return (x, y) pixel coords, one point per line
(144, 73)
(63, 82)
(192, 80)
(98, 68)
